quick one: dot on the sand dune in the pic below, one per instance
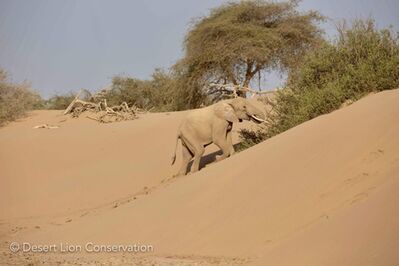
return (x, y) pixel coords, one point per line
(322, 193)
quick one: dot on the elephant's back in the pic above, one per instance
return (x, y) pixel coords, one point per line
(198, 124)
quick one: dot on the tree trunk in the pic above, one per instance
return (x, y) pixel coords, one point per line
(242, 94)
(245, 85)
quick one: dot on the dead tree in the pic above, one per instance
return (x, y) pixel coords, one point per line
(100, 111)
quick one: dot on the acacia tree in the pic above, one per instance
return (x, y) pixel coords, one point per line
(238, 40)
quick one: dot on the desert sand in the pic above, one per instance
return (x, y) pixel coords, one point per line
(323, 193)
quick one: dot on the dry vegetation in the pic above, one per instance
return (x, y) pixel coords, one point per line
(15, 99)
(96, 107)
(160, 93)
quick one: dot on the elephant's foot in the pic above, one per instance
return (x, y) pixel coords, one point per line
(192, 171)
(220, 157)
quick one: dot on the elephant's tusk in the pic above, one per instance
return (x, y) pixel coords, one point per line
(258, 119)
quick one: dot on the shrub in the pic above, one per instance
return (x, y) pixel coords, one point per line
(15, 99)
(60, 102)
(164, 93)
(129, 90)
(158, 93)
(361, 60)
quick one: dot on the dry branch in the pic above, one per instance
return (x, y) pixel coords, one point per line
(70, 106)
(233, 89)
(101, 112)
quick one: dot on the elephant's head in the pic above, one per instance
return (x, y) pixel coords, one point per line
(239, 109)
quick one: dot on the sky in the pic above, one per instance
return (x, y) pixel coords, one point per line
(60, 46)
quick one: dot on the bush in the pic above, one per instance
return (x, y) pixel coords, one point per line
(158, 93)
(164, 93)
(361, 60)
(16, 99)
(60, 102)
(129, 90)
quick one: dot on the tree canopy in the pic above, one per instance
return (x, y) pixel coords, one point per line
(240, 39)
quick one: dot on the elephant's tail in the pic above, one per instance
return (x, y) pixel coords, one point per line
(174, 154)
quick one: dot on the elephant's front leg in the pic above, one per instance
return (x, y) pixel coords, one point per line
(221, 139)
(230, 142)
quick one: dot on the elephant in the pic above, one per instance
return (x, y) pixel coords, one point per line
(212, 124)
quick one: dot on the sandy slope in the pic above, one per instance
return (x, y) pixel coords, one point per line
(323, 193)
(82, 164)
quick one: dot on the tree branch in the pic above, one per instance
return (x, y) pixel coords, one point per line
(236, 89)
(251, 73)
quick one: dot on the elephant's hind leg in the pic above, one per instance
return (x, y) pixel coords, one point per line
(186, 158)
(196, 149)
(199, 151)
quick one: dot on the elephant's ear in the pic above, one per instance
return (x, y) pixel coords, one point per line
(226, 111)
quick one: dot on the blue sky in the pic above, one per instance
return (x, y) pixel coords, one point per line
(64, 45)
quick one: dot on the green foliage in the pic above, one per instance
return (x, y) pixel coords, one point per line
(251, 138)
(189, 93)
(157, 94)
(15, 99)
(240, 39)
(130, 90)
(363, 59)
(60, 102)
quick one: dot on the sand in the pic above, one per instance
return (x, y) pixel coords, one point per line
(322, 193)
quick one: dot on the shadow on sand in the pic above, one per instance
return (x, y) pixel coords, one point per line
(209, 158)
